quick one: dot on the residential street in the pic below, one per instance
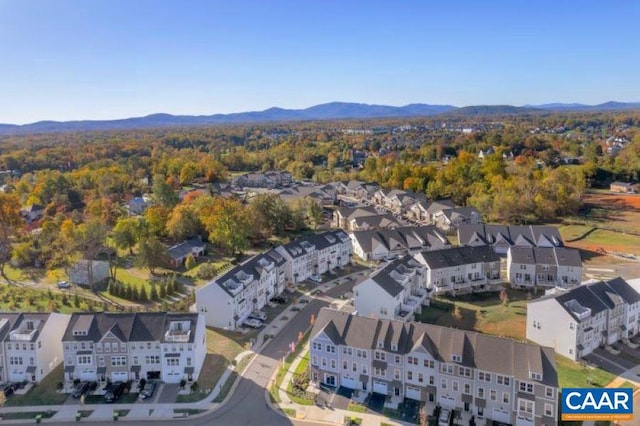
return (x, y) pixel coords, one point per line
(248, 405)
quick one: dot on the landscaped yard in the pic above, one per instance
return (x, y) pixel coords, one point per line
(573, 375)
(484, 313)
(45, 393)
(299, 395)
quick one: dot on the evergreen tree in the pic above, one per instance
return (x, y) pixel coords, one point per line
(154, 292)
(143, 294)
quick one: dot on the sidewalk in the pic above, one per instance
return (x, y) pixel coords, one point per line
(143, 410)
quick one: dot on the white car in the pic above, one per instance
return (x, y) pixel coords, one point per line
(261, 316)
(253, 323)
(64, 284)
(315, 277)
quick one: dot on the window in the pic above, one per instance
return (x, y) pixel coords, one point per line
(464, 371)
(354, 367)
(333, 364)
(135, 360)
(526, 387)
(189, 362)
(317, 346)
(443, 383)
(456, 358)
(412, 360)
(114, 347)
(345, 365)
(380, 356)
(480, 392)
(347, 350)
(493, 395)
(535, 376)
(548, 392)
(118, 361)
(101, 361)
(152, 359)
(467, 388)
(505, 397)
(503, 380)
(428, 363)
(446, 368)
(314, 359)
(432, 380)
(84, 360)
(383, 311)
(420, 378)
(331, 349)
(454, 385)
(15, 360)
(323, 361)
(379, 371)
(364, 369)
(409, 375)
(396, 373)
(485, 377)
(397, 359)
(173, 362)
(526, 406)
(107, 347)
(548, 410)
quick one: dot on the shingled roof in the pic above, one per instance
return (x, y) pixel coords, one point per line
(481, 351)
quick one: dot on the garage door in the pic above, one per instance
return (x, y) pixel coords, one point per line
(380, 387)
(17, 376)
(119, 376)
(85, 375)
(447, 401)
(501, 416)
(348, 382)
(413, 393)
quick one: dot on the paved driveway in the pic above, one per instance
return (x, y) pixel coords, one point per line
(168, 393)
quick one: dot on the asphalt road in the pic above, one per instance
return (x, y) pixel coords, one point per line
(248, 405)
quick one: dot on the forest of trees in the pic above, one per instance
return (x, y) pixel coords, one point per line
(84, 180)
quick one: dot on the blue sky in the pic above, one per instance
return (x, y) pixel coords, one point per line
(104, 59)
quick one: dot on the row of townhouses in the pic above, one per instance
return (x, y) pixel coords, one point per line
(501, 237)
(362, 218)
(105, 346)
(228, 300)
(575, 322)
(388, 243)
(541, 267)
(490, 378)
(99, 346)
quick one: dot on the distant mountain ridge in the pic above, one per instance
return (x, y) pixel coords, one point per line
(328, 111)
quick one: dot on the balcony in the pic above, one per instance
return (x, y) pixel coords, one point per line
(177, 336)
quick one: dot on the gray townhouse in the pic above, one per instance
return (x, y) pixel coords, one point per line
(490, 378)
(461, 270)
(575, 322)
(30, 346)
(104, 346)
(543, 267)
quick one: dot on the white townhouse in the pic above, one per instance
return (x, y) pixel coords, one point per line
(396, 291)
(543, 267)
(501, 237)
(315, 254)
(577, 321)
(487, 377)
(118, 347)
(228, 300)
(381, 244)
(461, 270)
(30, 345)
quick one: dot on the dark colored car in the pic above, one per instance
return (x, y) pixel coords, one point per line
(279, 299)
(115, 393)
(81, 389)
(148, 391)
(9, 389)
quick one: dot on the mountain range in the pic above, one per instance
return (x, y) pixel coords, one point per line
(328, 111)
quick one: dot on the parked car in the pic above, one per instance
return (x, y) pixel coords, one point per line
(279, 299)
(315, 277)
(81, 389)
(148, 390)
(115, 393)
(304, 301)
(253, 323)
(64, 284)
(9, 389)
(444, 419)
(261, 316)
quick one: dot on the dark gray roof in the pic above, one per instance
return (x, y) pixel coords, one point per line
(457, 256)
(625, 291)
(183, 249)
(606, 294)
(18, 321)
(127, 327)
(485, 352)
(384, 276)
(584, 297)
(559, 256)
(410, 237)
(532, 235)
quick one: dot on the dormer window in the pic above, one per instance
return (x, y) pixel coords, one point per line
(380, 344)
(535, 376)
(394, 347)
(456, 358)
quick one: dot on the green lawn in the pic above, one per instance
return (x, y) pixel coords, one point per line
(45, 393)
(573, 375)
(480, 312)
(358, 408)
(289, 412)
(273, 390)
(301, 368)
(27, 416)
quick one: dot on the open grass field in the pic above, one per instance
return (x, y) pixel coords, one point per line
(573, 375)
(481, 312)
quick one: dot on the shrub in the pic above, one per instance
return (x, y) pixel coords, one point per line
(190, 262)
(206, 272)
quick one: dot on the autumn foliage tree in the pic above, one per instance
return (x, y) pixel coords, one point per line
(226, 221)
(10, 223)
